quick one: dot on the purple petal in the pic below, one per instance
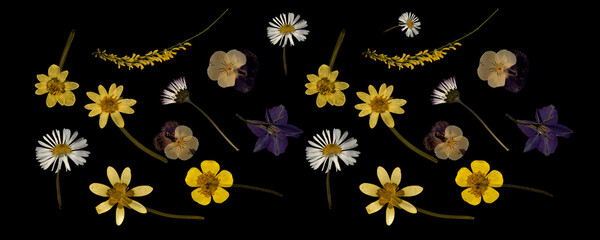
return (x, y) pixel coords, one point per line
(262, 142)
(547, 115)
(289, 130)
(560, 130)
(259, 131)
(277, 114)
(527, 129)
(548, 145)
(533, 142)
(245, 82)
(518, 73)
(277, 145)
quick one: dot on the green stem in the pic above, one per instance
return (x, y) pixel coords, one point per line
(392, 28)
(336, 49)
(481, 120)
(63, 57)
(257, 189)
(412, 147)
(189, 39)
(177, 216)
(328, 187)
(142, 147)
(469, 34)
(284, 62)
(212, 122)
(447, 216)
(528, 189)
(58, 197)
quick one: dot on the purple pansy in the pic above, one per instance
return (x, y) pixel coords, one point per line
(543, 132)
(273, 133)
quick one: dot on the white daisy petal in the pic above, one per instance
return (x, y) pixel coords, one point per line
(329, 147)
(58, 148)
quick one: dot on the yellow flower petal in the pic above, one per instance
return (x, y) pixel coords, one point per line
(51, 100)
(225, 179)
(313, 78)
(462, 176)
(310, 90)
(495, 179)
(382, 175)
(67, 98)
(125, 109)
(113, 176)
(470, 198)
(103, 119)
(71, 85)
(480, 166)
(321, 100)
(364, 97)
(141, 191)
(220, 195)
(200, 198)
(372, 91)
(126, 176)
(127, 102)
(339, 99)
(341, 85)
(93, 96)
(62, 76)
(397, 101)
(103, 207)
(117, 119)
(413, 190)
(388, 119)
(374, 207)
(120, 215)
(387, 93)
(191, 179)
(210, 166)
(373, 119)
(324, 71)
(407, 206)
(490, 195)
(369, 189)
(333, 75)
(102, 91)
(389, 215)
(43, 78)
(396, 176)
(99, 189)
(138, 207)
(365, 110)
(53, 71)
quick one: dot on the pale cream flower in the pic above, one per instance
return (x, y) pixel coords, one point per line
(184, 144)
(455, 145)
(494, 67)
(225, 67)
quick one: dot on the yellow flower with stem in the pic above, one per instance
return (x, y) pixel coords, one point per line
(120, 194)
(480, 183)
(380, 103)
(54, 84)
(110, 103)
(390, 195)
(210, 183)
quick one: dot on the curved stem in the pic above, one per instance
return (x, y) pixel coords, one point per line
(336, 49)
(469, 34)
(212, 122)
(412, 147)
(142, 147)
(481, 120)
(58, 197)
(327, 186)
(257, 189)
(206, 29)
(528, 189)
(63, 57)
(446, 216)
(177, 216)
(392, 28)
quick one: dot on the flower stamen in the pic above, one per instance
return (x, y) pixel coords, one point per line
(207, 183)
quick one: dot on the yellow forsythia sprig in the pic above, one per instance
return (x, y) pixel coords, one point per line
(140, 61)
(410, 61)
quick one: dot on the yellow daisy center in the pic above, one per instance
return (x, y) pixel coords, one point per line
(286, 29)
(119, 194)
(410, 23)
(325, 86)
(109, 104)
(55, 86)
(390, 194)
(478, 183)
(61, 150)
(379, 105)
(331, 149)
(207, 183)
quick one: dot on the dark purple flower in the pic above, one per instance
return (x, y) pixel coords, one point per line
(436, 135)
(166, 135)
(515, 80)
(245, 80)
(544, 132)
(273, 133)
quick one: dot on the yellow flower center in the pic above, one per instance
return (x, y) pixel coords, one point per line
(208, 183)
(379, 105)
(286, 29)
(390, 194)
(109, 104)
(478, 183)
(54, 86)
(331, 149)
(410, 23)
(325, 86)
(61, 150)
(119, 194)
(500, 68)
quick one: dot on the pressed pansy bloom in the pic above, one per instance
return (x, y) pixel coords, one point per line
(109, 104)
(119, 194)
(329, 90)
(245, 81)
(166, 135)
(226, 67)
(273, 133)
(436, 136)
(517, 76)
(55, 85)
(495, 67)
(183, 145)
(543, 133)
(454, 145)
(209, 182)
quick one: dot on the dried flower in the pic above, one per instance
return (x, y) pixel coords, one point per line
(328, 148)
(273, 133)
(282, 29)
(55, 85)
(209, 183)
(226, 67)
(183, 145)
(480, 183)
(495, 67)
(328, 89)
(379, 104)
(454, 146)
(410, 24)
(109, 103)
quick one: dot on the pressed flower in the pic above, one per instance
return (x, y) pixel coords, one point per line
(410, 24)
(177, 92)
(454, 146)
(272, 133)
(109, 104)
(382, 104)
(55, 85)
(119, 194)
(495, 67)
(284, 29)
(447, 92)
(166, 135)
(226, 67)
(543, 133)
(436, 135)
(183, 145)
(390, 195)
(56, 150)
(245, 81)
(517, 76)
(210, 183)
(329, 90)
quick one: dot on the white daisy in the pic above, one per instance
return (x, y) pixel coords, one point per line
(282, 29)
(61, 147)
(176, 92)
(328, 148)
(410, 23)
(446, 92)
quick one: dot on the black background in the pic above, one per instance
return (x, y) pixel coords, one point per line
(125, 29)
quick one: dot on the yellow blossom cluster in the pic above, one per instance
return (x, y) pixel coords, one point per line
(410, 61)
(139, 61)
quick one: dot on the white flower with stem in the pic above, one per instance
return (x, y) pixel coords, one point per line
(284, 29)
(410, 24)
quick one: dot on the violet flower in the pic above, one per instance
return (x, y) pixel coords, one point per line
(543, 133)
(273, 133)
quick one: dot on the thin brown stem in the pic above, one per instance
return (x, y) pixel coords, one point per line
(528, 189)
(63, 57)
(213, 123)
(482, 122)
(285, 72)
(328, 187)
(58, 197)
(257, 189)
(177, 216)
(446, 216)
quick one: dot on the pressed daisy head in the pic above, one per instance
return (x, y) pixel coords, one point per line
(446, 92)
(328, 148)
(410, 23)
(282, 28)
(59, 148)
(176, 92)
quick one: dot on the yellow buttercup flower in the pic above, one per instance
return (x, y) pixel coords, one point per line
(379, 104)
(209, 182)
(56, 86)
(109, 103)
(328, 89)
(480, 183)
